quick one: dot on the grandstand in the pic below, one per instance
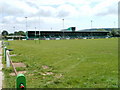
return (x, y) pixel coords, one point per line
(69, 33)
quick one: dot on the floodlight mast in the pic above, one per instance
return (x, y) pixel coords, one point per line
(14, 33)
(0, 35)
(91, 23)
(91, 27)
(26, 26)
(63, 23)
(63, 27)
(114, 24)
(26, 22)
(35, 33)
(39, 26)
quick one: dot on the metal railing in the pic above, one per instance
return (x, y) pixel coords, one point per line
(20, 78)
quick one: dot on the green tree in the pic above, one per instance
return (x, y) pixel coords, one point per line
(15, 33)
(114, 33)
(21, 33)
(10, 34)
(119, 33)
(5, 33)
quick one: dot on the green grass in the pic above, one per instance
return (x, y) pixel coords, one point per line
(81, 63)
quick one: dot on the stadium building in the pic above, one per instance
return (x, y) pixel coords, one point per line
(69, 33)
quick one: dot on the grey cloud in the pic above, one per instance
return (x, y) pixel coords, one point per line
(112, 10)
(12, 8)
(44, 13)
(8, 10)
(63, 13)
(11, 20)
(32, 4)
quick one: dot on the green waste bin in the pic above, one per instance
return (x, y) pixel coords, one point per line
(21, 82)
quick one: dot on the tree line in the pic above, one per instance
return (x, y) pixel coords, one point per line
(6, 33)
(114, 33)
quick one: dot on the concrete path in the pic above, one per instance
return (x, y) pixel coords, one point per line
(1, 74)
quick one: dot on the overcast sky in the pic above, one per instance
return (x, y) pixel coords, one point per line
(48, 14)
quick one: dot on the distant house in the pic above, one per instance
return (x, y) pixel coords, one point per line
(16, 37)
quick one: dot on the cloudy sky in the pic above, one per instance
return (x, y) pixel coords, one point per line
(49, 14)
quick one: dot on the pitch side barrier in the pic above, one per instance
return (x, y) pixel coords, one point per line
(20, 78)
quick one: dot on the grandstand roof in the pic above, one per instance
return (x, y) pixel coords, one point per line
(96, 29)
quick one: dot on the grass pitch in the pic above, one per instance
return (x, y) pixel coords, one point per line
(91, 63)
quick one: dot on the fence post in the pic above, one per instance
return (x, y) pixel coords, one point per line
(5, 48)
(2, 43)
(21, 82)
(7, 58)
